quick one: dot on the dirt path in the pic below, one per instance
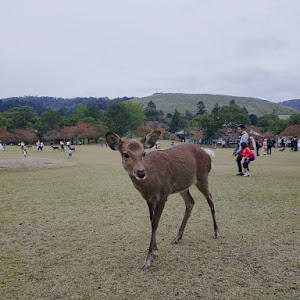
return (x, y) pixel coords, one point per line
(28, 164)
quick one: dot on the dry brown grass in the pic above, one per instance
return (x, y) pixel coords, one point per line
(82, 232)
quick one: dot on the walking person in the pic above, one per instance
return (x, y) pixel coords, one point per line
(41, 146)
(244, 139)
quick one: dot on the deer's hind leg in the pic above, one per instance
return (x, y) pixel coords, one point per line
(189, 203)
(202, 185)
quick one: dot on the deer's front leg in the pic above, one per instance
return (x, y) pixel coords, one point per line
(157, 211)
(151, 212)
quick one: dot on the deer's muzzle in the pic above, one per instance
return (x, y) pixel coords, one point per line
(141, 174)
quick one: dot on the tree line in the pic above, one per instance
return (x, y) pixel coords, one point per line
(24, 123)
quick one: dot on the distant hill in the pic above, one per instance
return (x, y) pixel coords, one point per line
(64, 106)
(168, 102)
(294, 103)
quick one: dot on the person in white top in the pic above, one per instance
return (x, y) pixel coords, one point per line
(244, 139)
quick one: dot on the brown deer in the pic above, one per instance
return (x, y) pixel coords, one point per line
(158, 174)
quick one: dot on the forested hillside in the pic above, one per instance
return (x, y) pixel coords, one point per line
(64, 106)
(164, 102)
(294, 103)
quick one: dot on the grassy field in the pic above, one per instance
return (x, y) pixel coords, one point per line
(82, 231)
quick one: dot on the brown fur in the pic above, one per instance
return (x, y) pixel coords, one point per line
(158, 174)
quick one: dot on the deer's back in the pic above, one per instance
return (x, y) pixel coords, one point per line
(174, 169)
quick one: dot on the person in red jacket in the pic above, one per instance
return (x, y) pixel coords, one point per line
(248, 156)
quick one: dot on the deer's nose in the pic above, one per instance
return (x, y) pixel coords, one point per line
(141, 173)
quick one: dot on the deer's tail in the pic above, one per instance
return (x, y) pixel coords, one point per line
(210, 153)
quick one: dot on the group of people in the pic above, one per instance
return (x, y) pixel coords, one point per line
(294, 144)
(244, 150)
(39, 146)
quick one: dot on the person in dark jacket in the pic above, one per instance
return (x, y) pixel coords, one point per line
(269, 146)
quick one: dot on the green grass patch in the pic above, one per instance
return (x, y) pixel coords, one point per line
(82, 231)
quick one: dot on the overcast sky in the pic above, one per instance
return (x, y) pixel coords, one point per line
(116, 48)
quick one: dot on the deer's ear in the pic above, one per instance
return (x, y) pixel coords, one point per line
(113, 141)
(149, 140)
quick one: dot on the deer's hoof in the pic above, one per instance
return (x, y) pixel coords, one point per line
(174, 242)
(145, 267)
(216, 236)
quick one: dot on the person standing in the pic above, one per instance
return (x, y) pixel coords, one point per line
(62, 148)
(244, 139)
(38, 145)
(295, 144)
(282, 144)
(264, 147)
(269, 146)
(258, 145)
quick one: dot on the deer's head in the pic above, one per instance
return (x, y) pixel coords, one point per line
(133, 152)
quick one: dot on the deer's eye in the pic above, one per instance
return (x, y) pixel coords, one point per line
(126, 155)
(144, 154)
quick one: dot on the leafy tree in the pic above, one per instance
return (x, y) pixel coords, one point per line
(68, 132)
(136, 112)
(271, 122)
(293, 130)
(253, 119)
(151, 104)
(196, 133)
(116, 118)
(21, 117)
(83, 131)
(201, 108)
(93, 112)
(232, 102)
(293, 119)
(176, 122)
(208, 123)
(50, 119)
(51, 135)
(153, 114)
(231, 116)
(5, 136)
(80, 112)
(216, 108)
(5, 122)
(188, 115)
(27, 135)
